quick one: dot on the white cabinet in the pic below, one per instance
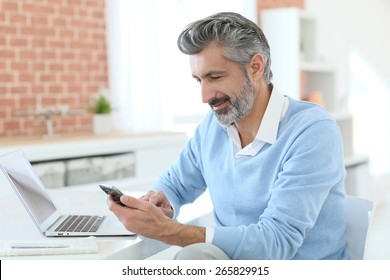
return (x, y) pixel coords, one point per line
(298, 70)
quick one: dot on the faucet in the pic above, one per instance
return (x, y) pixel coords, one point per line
(48, 114)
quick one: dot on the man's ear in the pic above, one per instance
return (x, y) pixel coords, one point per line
(257, 66)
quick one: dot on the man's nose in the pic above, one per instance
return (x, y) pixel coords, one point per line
(208, 93)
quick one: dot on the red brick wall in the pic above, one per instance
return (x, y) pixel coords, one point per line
(272, 4)
(52, 54)
(268, 4)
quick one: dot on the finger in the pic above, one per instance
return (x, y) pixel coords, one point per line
(168, 212)
(146, 196)
(157, 198)
(133, 202)
(114, 207)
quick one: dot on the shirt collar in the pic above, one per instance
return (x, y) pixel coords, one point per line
(274, 113)
(276, 109)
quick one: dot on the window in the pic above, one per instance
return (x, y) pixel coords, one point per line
(369, 103)
(150, 79)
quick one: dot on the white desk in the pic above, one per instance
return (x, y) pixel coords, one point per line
(88, 199)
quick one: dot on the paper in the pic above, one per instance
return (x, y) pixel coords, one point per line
(84, 245)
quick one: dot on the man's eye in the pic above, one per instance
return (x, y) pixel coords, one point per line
(215, 77)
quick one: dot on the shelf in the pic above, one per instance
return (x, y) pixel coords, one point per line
(316, 67)
(341, 116)
(355, 160)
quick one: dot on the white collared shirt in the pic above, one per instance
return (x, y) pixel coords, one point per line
(268, 130)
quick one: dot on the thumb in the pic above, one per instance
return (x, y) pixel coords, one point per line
(132, 202)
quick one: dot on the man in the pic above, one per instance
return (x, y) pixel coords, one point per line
(273, 165)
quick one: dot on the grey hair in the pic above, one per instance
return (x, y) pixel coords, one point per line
(239, 38)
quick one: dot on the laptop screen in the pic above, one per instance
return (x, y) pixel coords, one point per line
(28, 186)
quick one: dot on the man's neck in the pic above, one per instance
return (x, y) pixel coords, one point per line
(249, 126)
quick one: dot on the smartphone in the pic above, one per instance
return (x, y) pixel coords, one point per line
(113, 191)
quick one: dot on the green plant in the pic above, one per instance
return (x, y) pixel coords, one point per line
(101, 104)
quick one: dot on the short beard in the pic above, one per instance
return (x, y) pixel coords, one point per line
(240, 106)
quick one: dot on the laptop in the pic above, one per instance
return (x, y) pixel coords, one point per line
(49, 220)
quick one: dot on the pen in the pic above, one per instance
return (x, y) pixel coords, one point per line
(37, 246)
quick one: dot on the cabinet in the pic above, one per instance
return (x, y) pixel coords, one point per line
(298, 70)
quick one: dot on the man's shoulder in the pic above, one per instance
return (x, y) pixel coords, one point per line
(308, 111)
(302, 115)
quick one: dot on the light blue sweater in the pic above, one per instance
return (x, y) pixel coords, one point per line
(287, 202)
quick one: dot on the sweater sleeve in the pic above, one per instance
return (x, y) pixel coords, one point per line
(183, 182)
(310, 179)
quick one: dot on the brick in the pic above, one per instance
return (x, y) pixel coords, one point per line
(68, 79)
(39, 20)
(59, 23)
(57, 67)
(7, 102)
(12, 125)
(3, 90)
(55, 89)
(37, 8)
(25, 77)
(3, 114)
(38, 42)
(6, 78)
(28, 54)
(28, 102)
(66, 10)
(8, 30)
(18, 19)
(19, 42)
(66, 33)
(50, 77)
(48, 101)
(67, 55)
(55, 44)
(9, 6)
(7, 54)
(37, 90)
(19, 66)
(48, 54)
(18, 89)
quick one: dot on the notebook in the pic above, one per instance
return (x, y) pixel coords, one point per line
(48, 219)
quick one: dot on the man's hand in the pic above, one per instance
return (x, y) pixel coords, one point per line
(150, 217)
(143, 217)
(160, 200)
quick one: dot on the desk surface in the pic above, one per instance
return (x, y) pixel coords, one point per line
(87, 199)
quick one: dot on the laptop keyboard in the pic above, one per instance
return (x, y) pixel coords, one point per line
(80, 223)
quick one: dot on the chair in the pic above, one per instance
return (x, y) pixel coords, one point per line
(359, 214)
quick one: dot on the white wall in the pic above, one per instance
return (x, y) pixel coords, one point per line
(363, 23)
